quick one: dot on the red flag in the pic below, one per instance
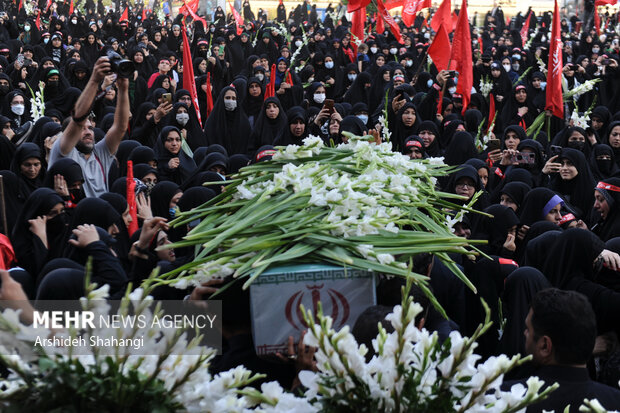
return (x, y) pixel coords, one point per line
(411, 8)
(143, 13)
(21, 4)
(455, 19)
(525, 30)
(356, 5)
(392, 4)
(491, 111)
(461, 55)
(71, 8)
(270, 90)
(238, 19)
(209, 94)
(289, 78)
(125, 15)
(442, 14)
(481, 44)
(37, 22)
(385, 15)
(553, 91)
(47, 6)
(357, 28)
(439, 51)
(189, 82)
(131, 199)
(380, 26)
(187, 6)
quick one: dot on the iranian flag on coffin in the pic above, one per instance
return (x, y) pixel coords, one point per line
(276, 294)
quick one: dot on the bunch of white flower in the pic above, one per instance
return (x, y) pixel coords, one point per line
(486, 86)
(37, 102)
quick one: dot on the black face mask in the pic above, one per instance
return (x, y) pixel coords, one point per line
(579, 145)
(604, 165)
(56, 225)
(4, 89)
(77, 195)
(52, 84)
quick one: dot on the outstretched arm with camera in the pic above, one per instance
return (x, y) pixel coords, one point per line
(73, 133)
(121, 116)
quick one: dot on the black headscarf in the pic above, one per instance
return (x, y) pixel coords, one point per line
(13, 199)
(142, 154)
(495, 229)
(161, 194)
(461, 149)
(94, 211)
(401, 131)
(516, 191)
(537, 204)
(603, 168)
(265, 129)
(286, 137)
(186, 167)
(230, 129)
(25, 151)
(610, 226)
(579, 191)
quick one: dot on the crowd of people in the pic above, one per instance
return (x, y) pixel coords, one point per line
(553, 192)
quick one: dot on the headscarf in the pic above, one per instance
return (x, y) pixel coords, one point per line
(230, 129)
(161, 195)
(537, 204)
(186, 167)
(13, 199)
(610, 226)
(25, 151)
(579, 190)
(602, 169)
(265, 129)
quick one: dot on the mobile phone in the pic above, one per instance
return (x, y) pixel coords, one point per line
(524, 158)
(329, 104)
(555, 150)
(605, 62)
(493, 144)
(167, 98)
(27, 62)
(453, 73)
(221, 50)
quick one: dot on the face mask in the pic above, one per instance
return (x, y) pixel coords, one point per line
(409, 63)
(172, 212)
(576, 145)
(27, 28)
(543, 39)
(77, 195)
(427, 35)
(230, 105)
(515, 67)
(4, 89)
(604, 165)
(57, 224)
(260, 76)
(506, 68)
(595, 50)
(363, 118)
(352, 76)
(310, 79)
(149, 187)
(52, 84)
(212, 29)
(298, 43)
(374, 49)
(18, 109)
(516, 56)
(319, 97)
(74, 21)
(182, 118)
(329, 65)
(543, 85)
(46, 40)
(451, 90)
(393, 50)
(429, 83)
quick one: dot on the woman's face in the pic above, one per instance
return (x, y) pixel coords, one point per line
(567, 170)
(601, 205)
(127, 217)
(281, 66)
(512, 140)
(149, 178)
(614, 137)
(380, 61)
(150, 114)
(465, 187)
(521, 95)
(386, 75)
(31, 168)
(483, 173)
(554, 215)
(91, 39)
(505, 200)
(297, 128)
(254, 89)
(181, 109)
(157, 36)
(173, 142)
(167, 254)
(58, 209)
(175, 199)
(138, 58)
(495, 73)
(203, 66)
(409, 117)
(165, 83)
(272, 110)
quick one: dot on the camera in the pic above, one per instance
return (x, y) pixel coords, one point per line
(122, 67)
(605, 62)
(453, 73)
(555, 150)
(523, 158)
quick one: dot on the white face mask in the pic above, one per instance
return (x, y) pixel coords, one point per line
(319, 97)
(543, 85)
(230, 105)
(452, 90)
(260, 76)
(427, 35)
(506, 68)
(298, 43)
(46, 40)
(311, 79)
(18, 109)
(429, 82)
(393, 50)
(408, 63)
(363, 118)
(74, 21)
(374, 49)
(182, 118)
(352, 76)
(329, 65)
(515, 67)
(27, 28)
(596, 50)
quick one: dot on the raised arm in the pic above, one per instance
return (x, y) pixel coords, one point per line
(121, 116)
(73, 133)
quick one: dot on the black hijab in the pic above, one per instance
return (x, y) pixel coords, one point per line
(603, 168)
(13, 199)
(579, 191)
(186, 167)
(461, 149)
(610, 226)
(537, 204)
(230, 129)
(161, 195)
(25, 151)
(286, 137)
(265, 129)
(495, 229)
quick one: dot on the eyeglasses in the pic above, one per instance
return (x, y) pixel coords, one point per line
(464, 185)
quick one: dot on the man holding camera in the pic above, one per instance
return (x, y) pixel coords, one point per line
(78, 139)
